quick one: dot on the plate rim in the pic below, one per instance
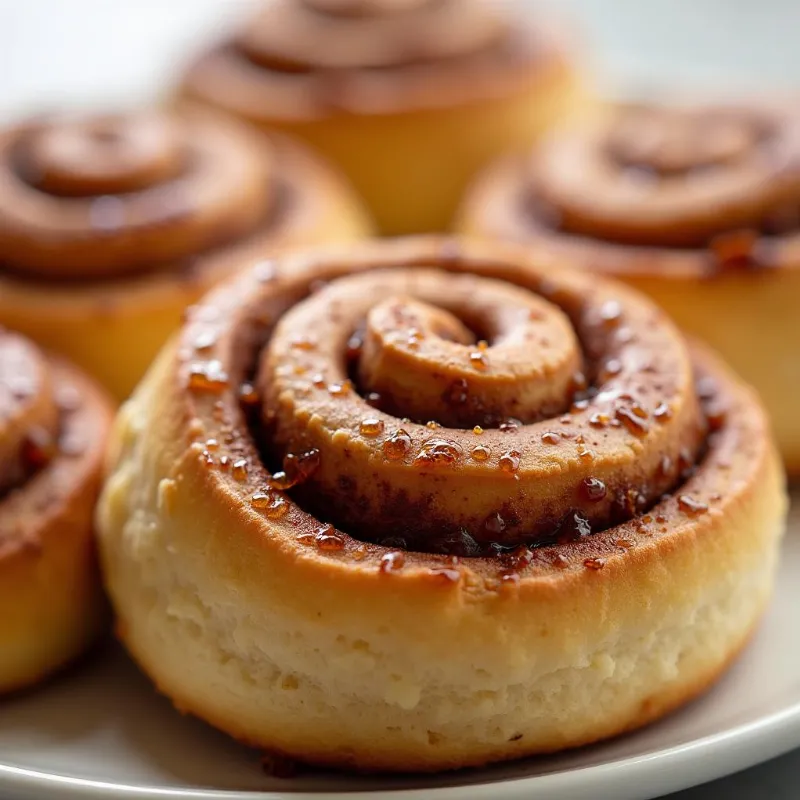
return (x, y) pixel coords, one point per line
(636, 777)
(702, 760)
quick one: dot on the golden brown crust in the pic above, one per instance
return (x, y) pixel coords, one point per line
(51, 605)
(437, 661)
(104, 279)
(697, 211)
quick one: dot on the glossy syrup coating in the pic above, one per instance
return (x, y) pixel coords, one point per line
(373, 417)
(425, 489)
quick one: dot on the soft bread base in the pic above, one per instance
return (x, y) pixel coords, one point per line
(341, 667)
(51, 606)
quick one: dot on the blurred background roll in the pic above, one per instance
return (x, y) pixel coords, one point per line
(697, 205)
(110, 225)
(407, 97)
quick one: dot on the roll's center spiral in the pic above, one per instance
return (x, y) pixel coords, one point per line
(104, 156)
(449, 411)
(423, 359)
(28, 411)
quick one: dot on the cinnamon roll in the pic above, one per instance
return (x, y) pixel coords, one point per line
(54, 423)
(407, 97)
(417, 505)
(111, 225)
(695, 206)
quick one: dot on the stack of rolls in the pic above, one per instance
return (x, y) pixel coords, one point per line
(695, 205)
(407, 97)
(54, 423)
(417, 505)
(110, 225)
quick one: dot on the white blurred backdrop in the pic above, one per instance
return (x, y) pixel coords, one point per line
(59, 52)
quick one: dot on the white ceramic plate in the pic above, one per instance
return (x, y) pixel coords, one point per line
(101, 732)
